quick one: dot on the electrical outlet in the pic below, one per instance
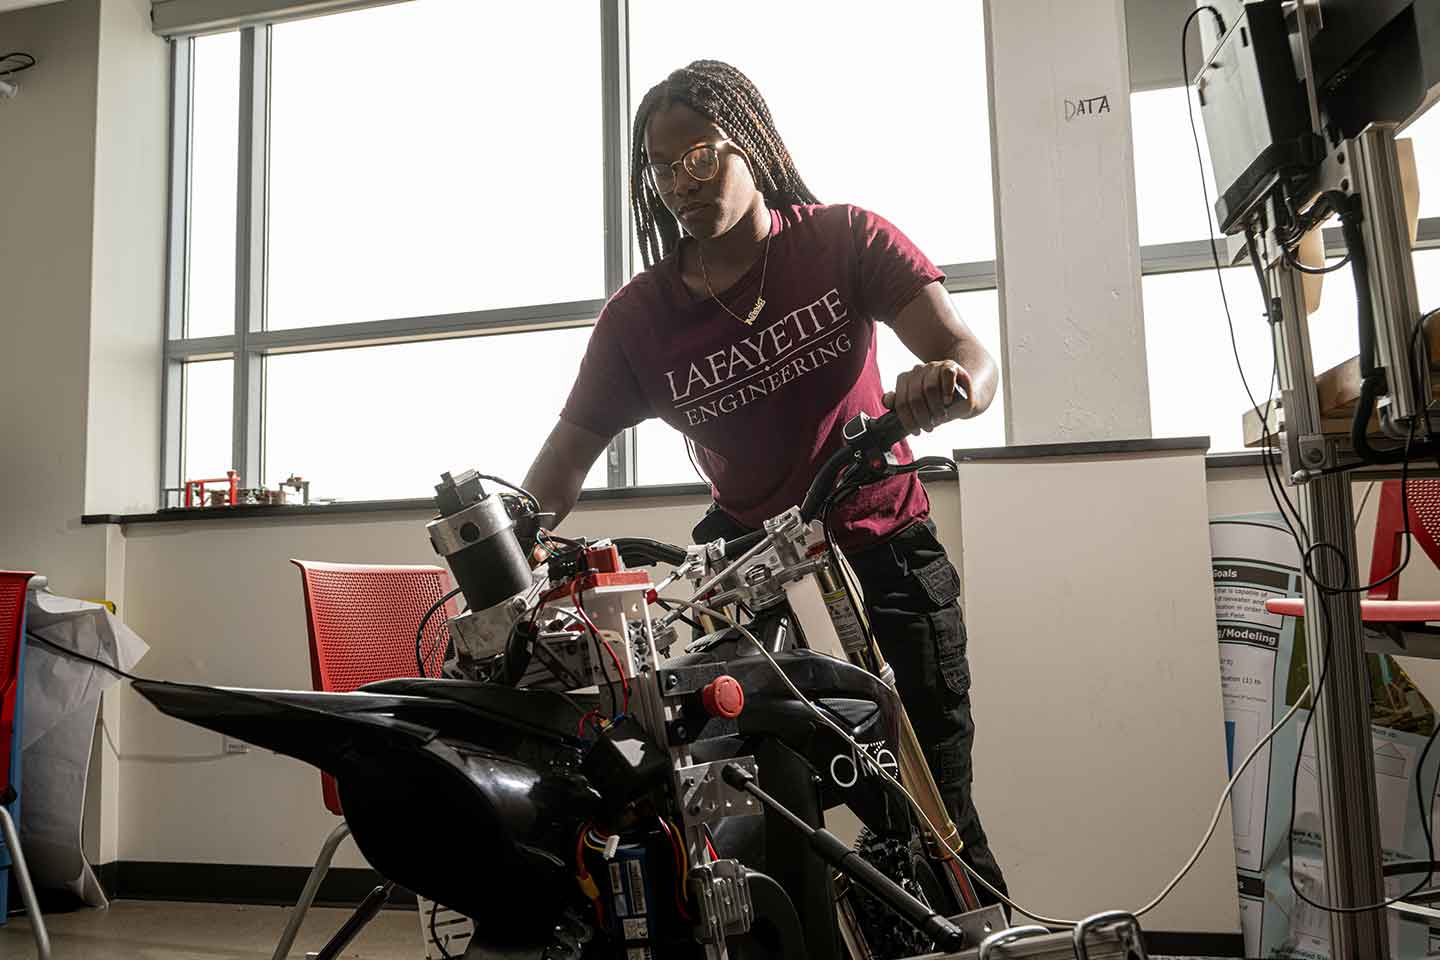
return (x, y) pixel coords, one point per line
(231, 745)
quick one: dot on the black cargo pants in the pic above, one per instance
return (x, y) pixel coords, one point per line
(912, 596)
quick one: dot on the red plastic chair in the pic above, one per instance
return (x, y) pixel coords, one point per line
(1381, 610)
(362, 620)
(12, 658)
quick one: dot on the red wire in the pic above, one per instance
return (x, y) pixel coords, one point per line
(578, 597)
(679, 850)
(967, 892)
(580, 728)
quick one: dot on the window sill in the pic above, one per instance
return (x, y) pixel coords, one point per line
(359, 507)
(1213, 461)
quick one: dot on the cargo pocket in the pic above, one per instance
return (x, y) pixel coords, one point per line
(941, 585)
(948, 626)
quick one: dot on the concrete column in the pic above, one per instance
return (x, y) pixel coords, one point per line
(1068, 256)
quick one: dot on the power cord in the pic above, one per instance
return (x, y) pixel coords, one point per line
(157, 757)
(105, 727)
(77, 655)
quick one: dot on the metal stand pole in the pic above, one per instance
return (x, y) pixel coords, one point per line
(1349, 814)
(1348, 808)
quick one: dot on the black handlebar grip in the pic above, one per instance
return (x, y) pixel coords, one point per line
(644, 552)
(885, 431)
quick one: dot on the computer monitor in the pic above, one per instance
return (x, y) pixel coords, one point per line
(1373, 61)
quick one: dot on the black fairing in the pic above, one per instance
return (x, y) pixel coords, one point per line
(470, 794)
(431, 804)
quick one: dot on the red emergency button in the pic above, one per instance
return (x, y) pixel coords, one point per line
(723, 697)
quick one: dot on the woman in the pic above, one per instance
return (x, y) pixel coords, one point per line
(751, 331)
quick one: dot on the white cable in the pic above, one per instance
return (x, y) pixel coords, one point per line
(1051, 921)
(159, 758)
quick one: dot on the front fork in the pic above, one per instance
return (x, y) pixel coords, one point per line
(942, 837)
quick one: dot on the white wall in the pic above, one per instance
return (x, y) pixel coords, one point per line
(47, 173)
(82, 206)
(127, 281)
(1100, 746)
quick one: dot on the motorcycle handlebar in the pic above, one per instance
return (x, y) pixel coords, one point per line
(862, 434)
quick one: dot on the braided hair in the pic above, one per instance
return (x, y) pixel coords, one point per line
(727, 98)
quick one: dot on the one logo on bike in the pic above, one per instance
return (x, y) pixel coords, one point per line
(845, 772)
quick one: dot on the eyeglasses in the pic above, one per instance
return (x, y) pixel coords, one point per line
(701, 162)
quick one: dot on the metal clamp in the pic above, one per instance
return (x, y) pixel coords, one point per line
(705, 797)
(979, 924)
(478, 521)
(724, 895)
(997, 940)
(1132, 944)
(789, 534)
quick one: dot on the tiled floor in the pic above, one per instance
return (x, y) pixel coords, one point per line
(136, 930)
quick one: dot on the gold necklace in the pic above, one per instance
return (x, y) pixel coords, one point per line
(759, 300)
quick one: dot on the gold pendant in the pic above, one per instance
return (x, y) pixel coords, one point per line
(755, 311)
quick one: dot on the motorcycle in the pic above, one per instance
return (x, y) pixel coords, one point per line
(581, 793)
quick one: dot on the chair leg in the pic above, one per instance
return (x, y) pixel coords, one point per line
(27, 889)
(312, 886)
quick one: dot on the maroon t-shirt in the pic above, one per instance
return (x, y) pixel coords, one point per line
(765, 404)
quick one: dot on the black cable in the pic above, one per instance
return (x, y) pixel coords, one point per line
(838, 495)
(513, 486)
(1364, 501)
(77, 655)
(600, 653)
(434, 937)
(670, 608)
(1313, 271)
(694, 464)
(1273, 480)
(420, 631)
(28, 62)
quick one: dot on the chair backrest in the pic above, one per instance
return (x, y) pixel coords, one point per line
(12, 641)
(1423, 498)
(362, 620)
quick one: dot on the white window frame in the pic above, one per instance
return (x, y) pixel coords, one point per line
(249, 343)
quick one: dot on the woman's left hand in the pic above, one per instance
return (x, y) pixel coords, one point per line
(925, 397)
